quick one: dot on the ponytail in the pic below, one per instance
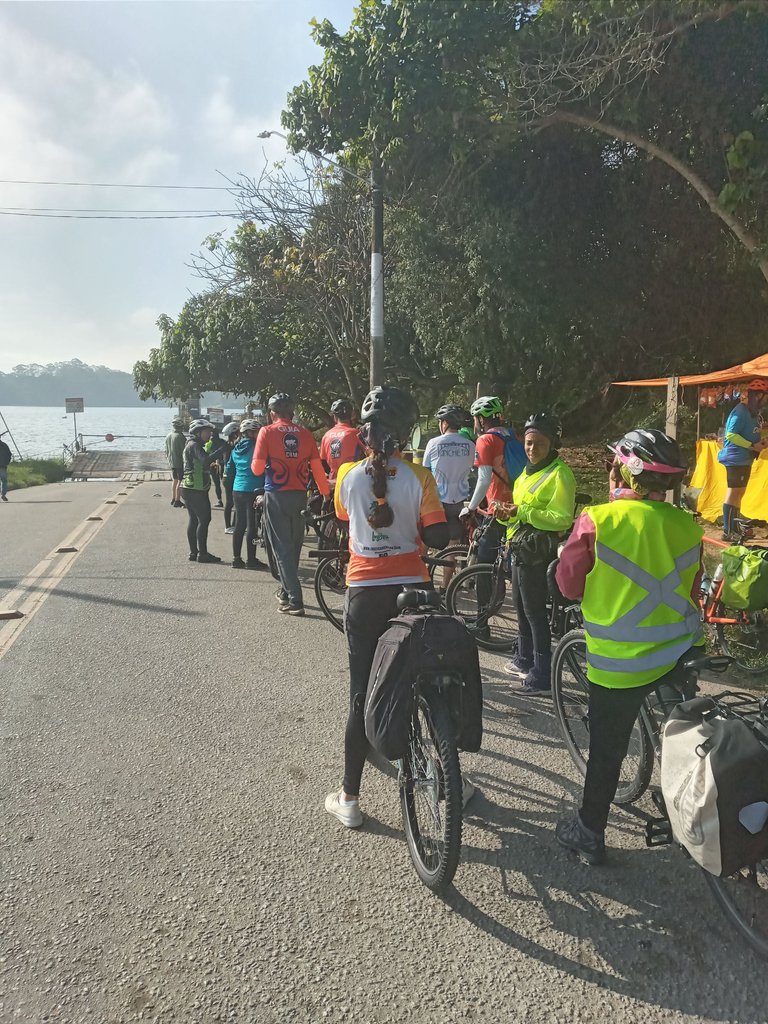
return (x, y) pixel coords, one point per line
(381, 514)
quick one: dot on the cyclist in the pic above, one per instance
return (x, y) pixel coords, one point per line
(450, 457)
(174, 452)
(246, 487)
(287, 453)
(341, 443)
(635, 565)
(392, 507)
(194, 490)
(542, 507)
(231, 434)
(741, 446)
(218, 445)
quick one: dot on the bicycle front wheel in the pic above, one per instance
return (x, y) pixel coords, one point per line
(479, 595)
(459, 552)
(431, 794)
(331, 590)
(743, 898)
(570, 691)
(746, 639)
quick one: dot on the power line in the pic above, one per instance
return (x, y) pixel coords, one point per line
(114, 184)
(76, 209)
(86, 216)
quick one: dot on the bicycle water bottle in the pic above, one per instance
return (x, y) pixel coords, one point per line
(706, 584)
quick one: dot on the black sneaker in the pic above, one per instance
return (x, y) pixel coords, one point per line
(292, 609)
(208, 558)
(574, 835)
(193, 556)
(255, 564)
(219, 504)
(280, 596)
(238, 563)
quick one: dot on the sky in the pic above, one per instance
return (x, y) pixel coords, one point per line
(170, 93)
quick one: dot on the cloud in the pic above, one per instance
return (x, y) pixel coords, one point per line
(231, 131)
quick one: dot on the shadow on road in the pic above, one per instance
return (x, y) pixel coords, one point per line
(115, 601)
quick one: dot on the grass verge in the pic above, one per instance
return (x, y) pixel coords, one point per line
(31, 472)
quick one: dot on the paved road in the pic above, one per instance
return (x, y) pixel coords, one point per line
(166, 743)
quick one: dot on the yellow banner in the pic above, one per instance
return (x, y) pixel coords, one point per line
(709, 475)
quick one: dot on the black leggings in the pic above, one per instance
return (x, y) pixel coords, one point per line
(229, 504)
(199, 511)
(216, 480)
(529, 593)
(367, 611)
(245, 525)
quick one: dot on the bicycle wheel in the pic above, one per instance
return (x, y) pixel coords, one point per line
(331, 589)
(746, 641)
(458, 551)
(431, 794)
(743, 898)
(492, 620)
(570, 691)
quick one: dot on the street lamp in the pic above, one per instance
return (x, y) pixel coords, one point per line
(376, 357)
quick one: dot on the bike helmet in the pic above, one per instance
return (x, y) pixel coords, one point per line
(758, 384)
(177, 423)
(247, 425)
(547, 424)
(197, 425)
(488, 407)
(342, 407)
(388, 415)
(453, 415)
(230, 429)
(280, 402)
(650, 458)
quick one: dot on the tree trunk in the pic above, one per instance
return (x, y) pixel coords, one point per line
(750, 242)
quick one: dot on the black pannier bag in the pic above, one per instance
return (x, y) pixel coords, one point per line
(714, 777)
(412, 645)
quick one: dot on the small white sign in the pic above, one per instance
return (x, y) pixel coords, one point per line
(215, 415)
(74, 405)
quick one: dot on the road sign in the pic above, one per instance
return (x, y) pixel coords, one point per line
(215, 415)
(74, 405)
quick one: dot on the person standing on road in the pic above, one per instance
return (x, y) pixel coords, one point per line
(5, 460)
(741, 446)
(246, 488)
(231, 434)
(218, 445)
(174, 452)
(195, 487)
(392, 507)
(635, 566)
(286, 455)
(340, 444)
(450, 458)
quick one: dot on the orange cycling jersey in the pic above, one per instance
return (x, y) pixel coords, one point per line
(339, 445)
(286, 453)
(392, 554)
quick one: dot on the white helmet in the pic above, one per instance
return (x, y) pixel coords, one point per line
(247, 425)
(230, 429)
(197, 425)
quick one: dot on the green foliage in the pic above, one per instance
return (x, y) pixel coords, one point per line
(33, 472)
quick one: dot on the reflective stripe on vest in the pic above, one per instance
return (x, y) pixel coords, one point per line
(627, 628)
(547, 473)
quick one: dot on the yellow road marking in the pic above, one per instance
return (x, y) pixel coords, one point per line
(31, 593)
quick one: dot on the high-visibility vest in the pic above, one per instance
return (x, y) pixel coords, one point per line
(545, 498)
(639, 615)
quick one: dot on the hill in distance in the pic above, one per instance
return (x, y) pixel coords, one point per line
(98, 386)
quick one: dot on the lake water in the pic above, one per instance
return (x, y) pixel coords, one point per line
(42, 432)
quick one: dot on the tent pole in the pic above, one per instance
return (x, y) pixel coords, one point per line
(672, 416)
(698, 413)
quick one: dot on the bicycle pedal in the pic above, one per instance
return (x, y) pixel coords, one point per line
(657, 798)
(658, 832)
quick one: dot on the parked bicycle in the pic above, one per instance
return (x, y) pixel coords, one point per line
(743, 896)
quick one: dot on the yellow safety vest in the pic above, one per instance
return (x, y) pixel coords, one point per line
(639, 616)
(545, 499)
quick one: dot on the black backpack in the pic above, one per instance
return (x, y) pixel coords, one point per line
(411, 646)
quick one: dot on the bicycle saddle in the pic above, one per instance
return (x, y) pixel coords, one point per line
(418, 599)
(699, 663)
(582, 498)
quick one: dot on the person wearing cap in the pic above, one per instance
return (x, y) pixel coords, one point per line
(543, 502)
(194, 490)
(634, 563)
(340, 444)
(174, 452)
(286, 455)
(246, 488)
(742, 444)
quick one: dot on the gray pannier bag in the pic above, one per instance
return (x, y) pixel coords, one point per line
(714, 779)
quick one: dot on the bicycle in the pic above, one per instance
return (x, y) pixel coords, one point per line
(429, 776)
(743, 635)
(743, 897)
(262, 540)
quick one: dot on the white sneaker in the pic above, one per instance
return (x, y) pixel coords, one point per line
(468, 790)
(349, 815)
(229, 529)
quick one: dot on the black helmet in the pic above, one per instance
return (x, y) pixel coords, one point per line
(453, 415)
(545, 423)
(280, 402)
(651, 457)
(341, 407)
(392, 412)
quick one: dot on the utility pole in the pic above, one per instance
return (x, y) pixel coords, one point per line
(377, 275)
